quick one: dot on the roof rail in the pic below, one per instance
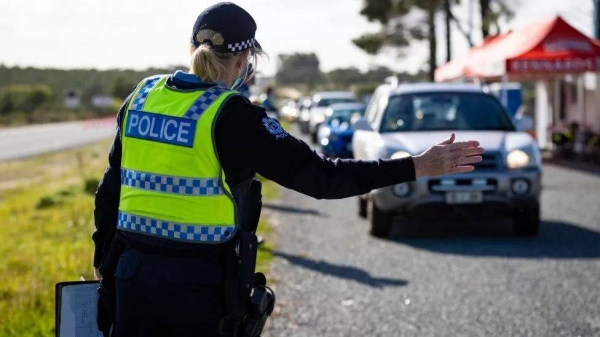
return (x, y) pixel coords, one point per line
(392, 81)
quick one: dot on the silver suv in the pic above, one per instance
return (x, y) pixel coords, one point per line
(405, 120)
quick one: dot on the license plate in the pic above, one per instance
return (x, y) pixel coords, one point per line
(464, 197)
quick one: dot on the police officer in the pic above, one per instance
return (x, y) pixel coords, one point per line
(267, 102)
(186, 143)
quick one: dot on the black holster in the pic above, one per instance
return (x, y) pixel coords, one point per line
(240, 278)
(107, 297)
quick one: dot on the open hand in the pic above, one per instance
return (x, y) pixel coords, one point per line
(448, 157)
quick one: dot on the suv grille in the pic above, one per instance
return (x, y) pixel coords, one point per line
(489, 163)
(443, 185)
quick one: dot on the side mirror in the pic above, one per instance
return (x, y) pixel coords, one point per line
(523, 123)
(362, 124)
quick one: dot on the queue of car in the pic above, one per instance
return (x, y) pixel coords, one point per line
(404, 120)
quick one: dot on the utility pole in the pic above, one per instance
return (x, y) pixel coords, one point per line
(448, 17)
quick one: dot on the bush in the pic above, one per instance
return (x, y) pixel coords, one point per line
(25, 98)
(46, 201)
(90, 185)
(68, 192)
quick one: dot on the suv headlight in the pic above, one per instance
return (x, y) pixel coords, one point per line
(400, 154)
(517, 159)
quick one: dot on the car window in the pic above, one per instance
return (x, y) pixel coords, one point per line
(325, 102)
(345, 117)
(444, 111)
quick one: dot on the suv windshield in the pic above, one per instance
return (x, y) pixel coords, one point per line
(329, 101)
(444, 111)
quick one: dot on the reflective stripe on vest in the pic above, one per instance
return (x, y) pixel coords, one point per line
(140, 98)
(156, 227)
(203, 102)
(171, 184)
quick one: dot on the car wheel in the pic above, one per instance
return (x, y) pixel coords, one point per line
(380, 221)
(527, 221)
(362, 207)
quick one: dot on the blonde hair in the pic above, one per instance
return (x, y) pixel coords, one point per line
(208, 64)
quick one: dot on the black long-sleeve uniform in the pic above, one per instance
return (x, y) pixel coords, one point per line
(245, 146)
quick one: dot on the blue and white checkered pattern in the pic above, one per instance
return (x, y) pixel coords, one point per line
(240, 46)
(171, 184)
(203, 102)
(140, 98)
(170, 230)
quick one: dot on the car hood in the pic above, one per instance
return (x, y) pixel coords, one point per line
(417, 142)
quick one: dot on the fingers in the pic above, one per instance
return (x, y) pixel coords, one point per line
(463, 169)
(474, 151)
(463, 145)
(468, 160)
(449, 140)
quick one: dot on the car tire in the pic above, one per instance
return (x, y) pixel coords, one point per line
(380, 221)
(527, 221)
(362, 207)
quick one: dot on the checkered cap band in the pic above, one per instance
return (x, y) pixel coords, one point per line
(140, 98)
(203, 102)
(241, 46)
(174, 231)
(171, 184)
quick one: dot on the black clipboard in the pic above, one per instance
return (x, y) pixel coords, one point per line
(76, 309)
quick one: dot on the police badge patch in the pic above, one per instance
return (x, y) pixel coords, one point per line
(274, 128)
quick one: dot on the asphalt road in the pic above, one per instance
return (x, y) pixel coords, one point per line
(21, 142)
(333, 279)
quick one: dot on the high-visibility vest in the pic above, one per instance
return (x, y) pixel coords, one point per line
(172, 184)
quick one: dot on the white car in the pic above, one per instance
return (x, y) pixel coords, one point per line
(406, 120)
(318, 110)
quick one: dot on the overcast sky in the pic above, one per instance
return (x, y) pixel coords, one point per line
(138, 34)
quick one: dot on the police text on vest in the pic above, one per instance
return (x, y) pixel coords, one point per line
(160, 128)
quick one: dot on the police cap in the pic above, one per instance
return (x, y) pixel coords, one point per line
(230, 20)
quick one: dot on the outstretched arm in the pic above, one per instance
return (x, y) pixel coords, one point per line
(246, 137)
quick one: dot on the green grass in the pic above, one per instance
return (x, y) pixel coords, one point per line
(270, 191)
(45, 227)
(46, 219)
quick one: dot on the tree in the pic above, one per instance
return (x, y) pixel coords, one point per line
(491, 11)
(344, 77)
(39, 95)
(447, 21)
(377, 74)
(298, 68)
(397, 31)
(122, 88)
(25, 98)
